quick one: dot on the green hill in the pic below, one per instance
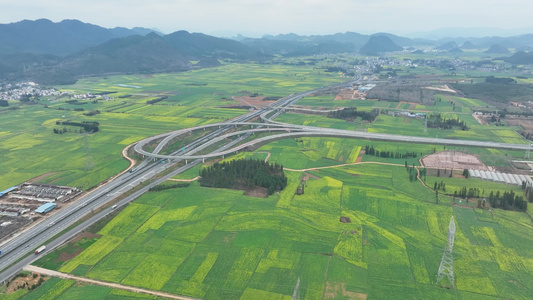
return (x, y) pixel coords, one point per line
(379, 44)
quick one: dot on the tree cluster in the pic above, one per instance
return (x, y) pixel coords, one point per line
(470, 192)
(245, 173)
(335, 69)
(496, 92)
(439, 186)
(60, 131)
(86, 125)
(350, 113)
(75, 102)
(402, 92)
(508, 201)
(528, 191)
(92, 113)
(271, 98)
(163, 187)
(500, 80)
(154, 101)
(437, 121)
(370, 150)
(4, 103)
(413, 173)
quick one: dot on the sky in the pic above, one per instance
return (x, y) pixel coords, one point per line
(259, 17)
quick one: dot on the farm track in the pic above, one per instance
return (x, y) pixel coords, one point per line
(360, 163)
(52, 273)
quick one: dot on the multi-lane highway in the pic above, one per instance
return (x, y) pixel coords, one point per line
(294, 131)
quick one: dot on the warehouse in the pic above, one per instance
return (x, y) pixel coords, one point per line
(45, 208)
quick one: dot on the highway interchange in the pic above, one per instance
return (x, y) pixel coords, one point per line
(15, 251)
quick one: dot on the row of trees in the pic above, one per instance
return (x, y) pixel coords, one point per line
(88, 126)
(154, 101)
(468, 193)
(413, 173)
(370, 150)
(437, 121)
(509, 201)
(500, 80)
(163, 187)
(350, 113)
(439, 186)
(528, 191)
(60, 130)
(238, 174)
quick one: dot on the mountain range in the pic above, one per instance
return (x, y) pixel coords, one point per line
(51, 53)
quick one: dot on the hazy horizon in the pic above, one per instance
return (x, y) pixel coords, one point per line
(307, 17)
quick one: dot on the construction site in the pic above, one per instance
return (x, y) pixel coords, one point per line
(19, 205)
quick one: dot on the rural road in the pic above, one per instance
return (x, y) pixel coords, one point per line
(57, 274)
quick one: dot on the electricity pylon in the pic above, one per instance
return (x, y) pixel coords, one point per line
(446, 264)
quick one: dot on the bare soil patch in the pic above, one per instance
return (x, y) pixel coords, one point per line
(480, 119)
(41, 177)
(453, 160)
(85, 235)
(360, 157)
(345, 220)
(26, 281)
(332, 291)
(252, 101)
(307, 176)
(64, 256)
(258, 191)
(349, 94)
(444, 88)
(12, 225)
(525, 123)
(412, 105)
(229, 239)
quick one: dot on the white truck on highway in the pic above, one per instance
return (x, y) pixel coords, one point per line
(40, 249)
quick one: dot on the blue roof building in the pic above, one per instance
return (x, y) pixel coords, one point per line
(2, 193)
(45, 208)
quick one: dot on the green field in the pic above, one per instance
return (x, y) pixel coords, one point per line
(216, 244)
(222, 244)
(29, 148)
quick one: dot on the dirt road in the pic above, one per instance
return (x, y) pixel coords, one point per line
(52, 273)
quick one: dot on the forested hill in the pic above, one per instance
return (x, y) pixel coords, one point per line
(63, 38)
